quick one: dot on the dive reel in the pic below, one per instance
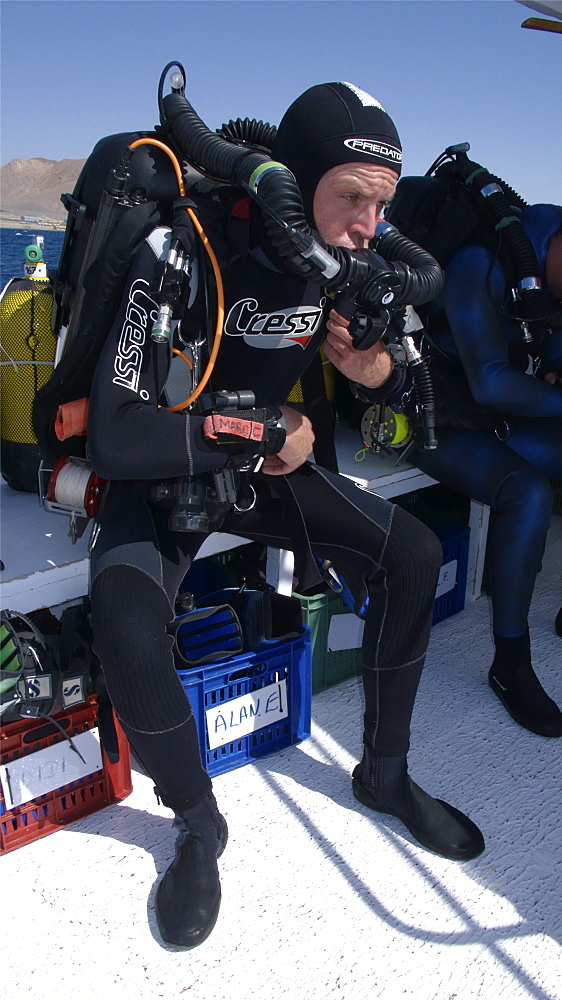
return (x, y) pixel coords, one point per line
(71, 487)
(399, 329)
(383, 427)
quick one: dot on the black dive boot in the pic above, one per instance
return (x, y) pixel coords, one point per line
(189, 895)
(382, 783)
(513, 680)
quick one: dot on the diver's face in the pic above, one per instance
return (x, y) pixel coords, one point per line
(349, 200)
(554, 265)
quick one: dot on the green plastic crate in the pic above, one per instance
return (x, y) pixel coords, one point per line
(329, 666)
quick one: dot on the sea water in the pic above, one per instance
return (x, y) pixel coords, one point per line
(13, 243)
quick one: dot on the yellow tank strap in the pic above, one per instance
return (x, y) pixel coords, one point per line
(329, 373)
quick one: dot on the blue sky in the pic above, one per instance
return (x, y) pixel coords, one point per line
(446, 70)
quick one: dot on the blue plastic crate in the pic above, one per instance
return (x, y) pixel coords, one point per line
(269, 690)
(454, 540)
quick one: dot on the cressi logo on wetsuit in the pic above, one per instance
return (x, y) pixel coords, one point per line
(141, 312)
(274, 323)
(269, 330)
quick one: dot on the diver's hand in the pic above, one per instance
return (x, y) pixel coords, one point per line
(297, 447)
(370, 368)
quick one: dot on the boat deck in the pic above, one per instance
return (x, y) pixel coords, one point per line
(320, 898)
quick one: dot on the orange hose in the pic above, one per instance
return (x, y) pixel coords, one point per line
(181, 354)
(216, 270)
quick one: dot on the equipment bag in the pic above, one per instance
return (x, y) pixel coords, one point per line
(458, 202)
(103, 232)
(44, 664)
(119, 198)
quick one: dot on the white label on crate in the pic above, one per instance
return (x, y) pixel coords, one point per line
(447, 578)
(246, 714)
(345, 632)
(41, 772)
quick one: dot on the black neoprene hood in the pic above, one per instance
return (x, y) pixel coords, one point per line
(330, 124)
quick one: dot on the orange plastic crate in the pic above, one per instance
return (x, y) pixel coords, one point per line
(54, 810)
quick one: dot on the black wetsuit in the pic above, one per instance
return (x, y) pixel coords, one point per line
(138, 563)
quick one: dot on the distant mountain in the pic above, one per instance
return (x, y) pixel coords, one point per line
(34, 187)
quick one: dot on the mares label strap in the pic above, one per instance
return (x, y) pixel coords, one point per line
(228, 427)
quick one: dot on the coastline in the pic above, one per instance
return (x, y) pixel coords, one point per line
(46, 225)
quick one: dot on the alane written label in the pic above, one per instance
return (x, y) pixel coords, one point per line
(246, 714)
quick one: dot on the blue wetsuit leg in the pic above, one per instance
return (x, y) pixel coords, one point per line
(513, 479)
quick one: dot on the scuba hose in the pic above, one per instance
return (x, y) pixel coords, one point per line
(530, 304)
(233, 157)
(216, 270)
(413, 277)
(72, 488)
(245, 132)
(394, 271)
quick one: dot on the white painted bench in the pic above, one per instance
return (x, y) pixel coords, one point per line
(42, 568)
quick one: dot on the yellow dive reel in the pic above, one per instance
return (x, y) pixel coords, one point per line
(383, 428)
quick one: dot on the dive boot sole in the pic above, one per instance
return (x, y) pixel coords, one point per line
(547, 729)
(453, 854)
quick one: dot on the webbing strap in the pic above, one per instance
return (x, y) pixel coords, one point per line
(319, 411)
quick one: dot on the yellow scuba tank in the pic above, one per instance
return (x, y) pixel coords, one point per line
(27, 348)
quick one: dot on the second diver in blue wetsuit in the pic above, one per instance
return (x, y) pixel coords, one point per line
(513, 449)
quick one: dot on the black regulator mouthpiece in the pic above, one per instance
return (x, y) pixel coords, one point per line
(375, 283)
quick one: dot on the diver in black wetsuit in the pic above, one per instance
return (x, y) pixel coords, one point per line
(513, 449)
(345, 153)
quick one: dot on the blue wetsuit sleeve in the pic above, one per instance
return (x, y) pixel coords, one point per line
(481, 339)
(129, 435)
